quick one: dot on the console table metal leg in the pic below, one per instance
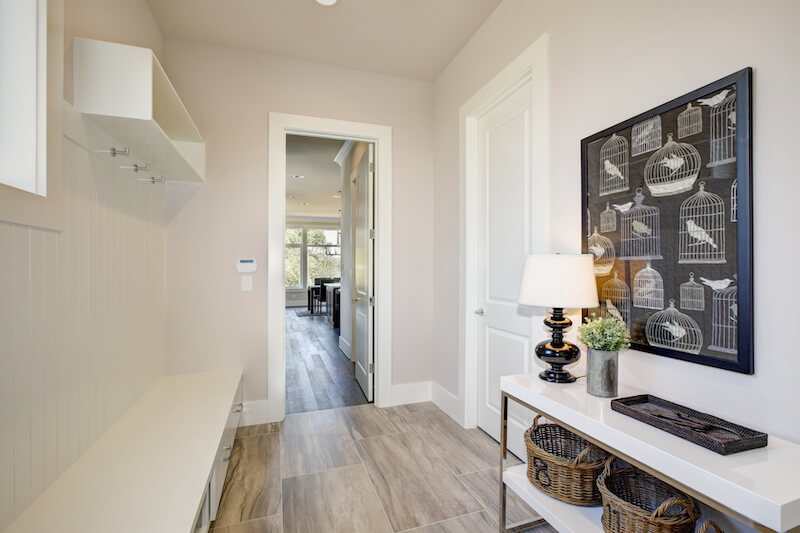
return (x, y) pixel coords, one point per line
(503, 444)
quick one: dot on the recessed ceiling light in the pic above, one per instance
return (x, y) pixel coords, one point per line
(298, 176)
(305, 203)
(326, 3)
(292, 196)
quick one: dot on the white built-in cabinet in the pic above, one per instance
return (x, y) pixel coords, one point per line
(126, 92)
(159, 468)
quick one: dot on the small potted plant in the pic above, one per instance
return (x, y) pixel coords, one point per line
(604, 337)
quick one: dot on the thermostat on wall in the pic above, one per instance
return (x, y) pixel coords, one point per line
(246, 265)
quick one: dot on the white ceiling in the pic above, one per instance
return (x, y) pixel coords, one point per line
(312, 157)
(408, 38)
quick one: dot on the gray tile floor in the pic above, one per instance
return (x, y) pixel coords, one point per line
(364, 469)
(318, 374)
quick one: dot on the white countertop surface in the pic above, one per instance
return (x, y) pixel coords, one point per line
(761, 484)
(149, 470)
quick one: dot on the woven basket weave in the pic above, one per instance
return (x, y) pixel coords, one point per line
(563, 465)
(709, 524)
(636, 502)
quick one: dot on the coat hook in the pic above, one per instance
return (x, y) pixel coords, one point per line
(114, 151)
(136, 167)
(153, 179)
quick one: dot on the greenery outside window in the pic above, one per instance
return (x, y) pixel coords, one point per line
(311, 253)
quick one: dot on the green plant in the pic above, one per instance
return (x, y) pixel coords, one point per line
(607, 334)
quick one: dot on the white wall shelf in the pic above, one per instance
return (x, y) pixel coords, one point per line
(126, 92)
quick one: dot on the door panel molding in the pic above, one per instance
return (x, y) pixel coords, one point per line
(530, 67)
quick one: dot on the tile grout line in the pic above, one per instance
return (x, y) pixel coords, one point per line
(374, 489)
(441, 521)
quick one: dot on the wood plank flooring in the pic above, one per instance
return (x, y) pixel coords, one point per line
(318, 375)
(361, 469)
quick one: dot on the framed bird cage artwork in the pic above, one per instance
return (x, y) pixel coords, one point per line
(668, 215)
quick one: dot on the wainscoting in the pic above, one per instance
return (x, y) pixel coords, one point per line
(81, 322)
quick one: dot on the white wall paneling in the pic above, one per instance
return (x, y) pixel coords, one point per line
(81, 322)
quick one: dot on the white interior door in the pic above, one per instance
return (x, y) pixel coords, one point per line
(505, 189)
(363, 289)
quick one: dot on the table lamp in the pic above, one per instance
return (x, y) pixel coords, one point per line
(558, 281)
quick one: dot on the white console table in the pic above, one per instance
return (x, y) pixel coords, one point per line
(757, 487)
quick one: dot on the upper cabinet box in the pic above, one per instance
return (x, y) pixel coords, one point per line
(126, 91)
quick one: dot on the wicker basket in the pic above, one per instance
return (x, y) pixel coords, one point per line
(636, 502)
(709, 524)
(563, 465)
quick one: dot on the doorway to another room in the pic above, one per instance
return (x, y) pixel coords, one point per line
(328, 273)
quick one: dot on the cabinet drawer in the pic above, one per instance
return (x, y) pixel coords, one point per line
(224, 452)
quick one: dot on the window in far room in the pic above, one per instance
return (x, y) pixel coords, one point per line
(311, 253)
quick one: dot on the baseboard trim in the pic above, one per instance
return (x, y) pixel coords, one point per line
(259, 412)
(404, 393)
(345, 347)
(447, 402)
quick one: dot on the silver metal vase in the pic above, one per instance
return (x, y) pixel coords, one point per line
(602, 373)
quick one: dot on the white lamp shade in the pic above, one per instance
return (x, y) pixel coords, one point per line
(559, 280)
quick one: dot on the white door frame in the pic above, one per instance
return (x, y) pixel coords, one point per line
(281, 124)
(531, 65)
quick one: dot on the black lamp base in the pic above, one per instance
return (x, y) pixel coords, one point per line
(557, 375)
(557, 352)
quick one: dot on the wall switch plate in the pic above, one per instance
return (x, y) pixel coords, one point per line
(247, 283)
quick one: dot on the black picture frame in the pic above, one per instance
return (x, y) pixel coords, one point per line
(674, 223)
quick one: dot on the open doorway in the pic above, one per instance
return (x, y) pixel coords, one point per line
(329, 272)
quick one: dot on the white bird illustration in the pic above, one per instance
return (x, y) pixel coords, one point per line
(716, 99)
(613, 311)
(677, 331)
(642, 135)
(674, 162)
(612, 170)
(640, 228)
(598, 251)
(624, 208)
(732, 119)
(699, 234)
(717, 284)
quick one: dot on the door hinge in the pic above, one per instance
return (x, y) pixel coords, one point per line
(372, 167)
(373, 233)
(372, 301)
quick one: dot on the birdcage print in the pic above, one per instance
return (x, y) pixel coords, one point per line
(608, 220)
(646, 136)
(693, 296)
(648, 289)
(614, 163)
(604, 253)
(702, 231)
(725, 320)
(734, 203)
(722, 129)
(640, 232)
(672, 169)
(674, 330)
(690, 121)
(616, 300)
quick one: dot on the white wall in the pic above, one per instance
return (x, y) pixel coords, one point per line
(81, 310)
(212, 324)
(610, 61)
